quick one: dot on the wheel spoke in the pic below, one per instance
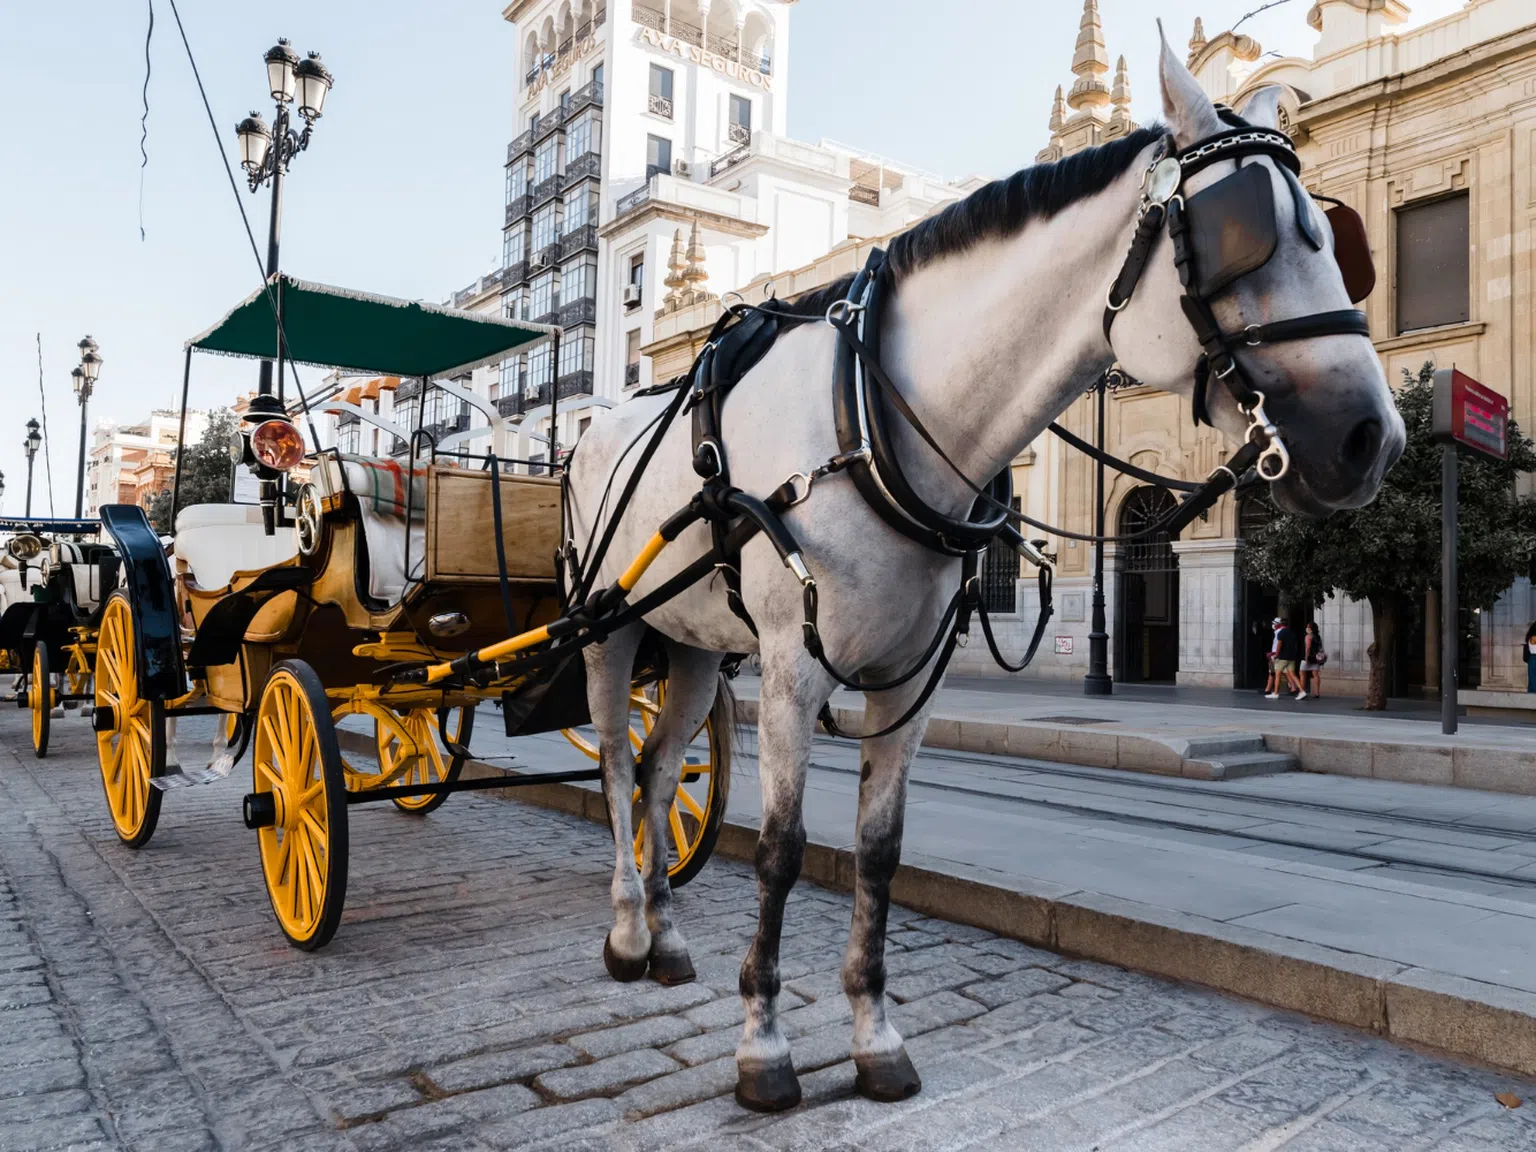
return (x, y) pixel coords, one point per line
(690, 803)
(679, 834)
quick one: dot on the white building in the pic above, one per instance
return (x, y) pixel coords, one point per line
(128, 463)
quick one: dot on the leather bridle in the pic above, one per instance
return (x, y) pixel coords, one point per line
(1163, 206)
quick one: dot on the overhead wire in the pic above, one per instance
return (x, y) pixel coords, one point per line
(47, 443)
(144, 119)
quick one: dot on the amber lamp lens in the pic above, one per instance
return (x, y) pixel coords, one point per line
(277, 444)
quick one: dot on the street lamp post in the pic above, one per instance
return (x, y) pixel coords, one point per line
(30, 446)
(265, 154)
(1098, 681)
(84, 377)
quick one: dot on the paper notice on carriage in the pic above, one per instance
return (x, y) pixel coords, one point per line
(177, 777)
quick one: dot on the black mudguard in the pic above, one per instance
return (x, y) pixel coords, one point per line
(146, 579)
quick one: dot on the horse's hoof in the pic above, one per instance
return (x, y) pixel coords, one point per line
(767, 1087)
(887, 1077)
(622, 970)
(669, 969)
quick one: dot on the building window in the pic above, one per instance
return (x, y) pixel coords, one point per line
(597, 74)
(514, 246)
(577, 352)
(660, 103)
(565, 102)
(545, 158)
(539, 364)
(584, 135)
(506, 381)
(578, 280)
(517, 179)
(514, 305)
(635, 290)
(546, 226)
(739, 129)
(1433, 264)
(658, 155)
(542, 299)
(350, 439)
(580, 208)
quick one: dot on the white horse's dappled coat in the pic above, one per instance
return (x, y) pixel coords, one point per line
(996, 324)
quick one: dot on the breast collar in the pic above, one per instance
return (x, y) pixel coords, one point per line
(1163, 203)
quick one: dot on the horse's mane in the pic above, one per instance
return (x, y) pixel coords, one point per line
(1001, 208)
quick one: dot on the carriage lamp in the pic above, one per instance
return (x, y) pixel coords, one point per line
(281, 62)
(255, 140)
(84, 379)
(314, 82)
(30, 446)
(277, 444)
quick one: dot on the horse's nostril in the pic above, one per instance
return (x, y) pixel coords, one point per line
(1362, 445)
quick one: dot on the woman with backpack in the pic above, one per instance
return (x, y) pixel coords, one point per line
(1313, 657)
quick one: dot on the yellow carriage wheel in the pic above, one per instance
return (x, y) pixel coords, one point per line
(130, 730)
(77, 673)
(698, 808)
(296, 763)
(40, 699)
(432, 763)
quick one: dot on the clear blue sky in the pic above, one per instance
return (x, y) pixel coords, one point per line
(401, 191)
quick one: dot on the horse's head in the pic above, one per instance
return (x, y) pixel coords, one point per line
(1266, 313)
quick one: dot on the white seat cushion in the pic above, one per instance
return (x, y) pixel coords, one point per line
(381, 499)
(218, 540)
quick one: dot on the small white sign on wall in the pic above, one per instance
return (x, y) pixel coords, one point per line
(247, 488)
(1063, 645)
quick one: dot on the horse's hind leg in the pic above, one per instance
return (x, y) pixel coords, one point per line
(628, 945)
(691, 685)
(884, 1071)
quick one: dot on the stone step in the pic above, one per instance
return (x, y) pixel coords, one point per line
(1233, 766)
(1224, 744)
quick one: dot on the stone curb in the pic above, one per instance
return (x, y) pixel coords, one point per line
(1485, 1022)
(1484, 768)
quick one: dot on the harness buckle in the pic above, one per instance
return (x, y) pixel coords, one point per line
(1249, 331)
(801, 497)
(1231, 368)
(842, 310)
(1109, 301)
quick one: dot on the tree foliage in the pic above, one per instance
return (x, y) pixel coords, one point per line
(1388, 553)
(206, 474)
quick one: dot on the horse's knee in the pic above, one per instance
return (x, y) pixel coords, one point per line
(780, 854)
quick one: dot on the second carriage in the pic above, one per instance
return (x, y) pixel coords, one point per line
(290, 618)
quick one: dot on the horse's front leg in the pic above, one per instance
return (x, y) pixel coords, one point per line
(627, 947)
(793, 690)
(884, 1071)
(691, 686)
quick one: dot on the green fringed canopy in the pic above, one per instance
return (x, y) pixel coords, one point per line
(359, 332)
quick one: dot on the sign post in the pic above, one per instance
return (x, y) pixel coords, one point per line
(1465, 414)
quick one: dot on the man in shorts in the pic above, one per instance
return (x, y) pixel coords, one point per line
(1284, 655)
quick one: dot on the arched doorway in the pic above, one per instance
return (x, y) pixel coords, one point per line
(1147, 593)
(1260, 605)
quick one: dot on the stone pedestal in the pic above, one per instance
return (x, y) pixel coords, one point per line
(1208, 600)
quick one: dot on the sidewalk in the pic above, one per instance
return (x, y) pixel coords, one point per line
(1212, 734)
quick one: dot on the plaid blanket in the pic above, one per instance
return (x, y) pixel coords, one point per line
(381, 484)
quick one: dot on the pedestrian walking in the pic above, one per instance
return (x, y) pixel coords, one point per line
(1313, 657)
(1285, 654)
(1529, 655)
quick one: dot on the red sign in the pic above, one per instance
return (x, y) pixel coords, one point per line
(1469, 414)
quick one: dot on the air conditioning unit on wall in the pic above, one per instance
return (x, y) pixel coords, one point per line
(682, 168)
(631, 295)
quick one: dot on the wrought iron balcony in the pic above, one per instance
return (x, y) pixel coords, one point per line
(659, 106)
(566, 46)
(721, 46)
(533, 74)
(582, 240)
(534, 395)
(576, 384)
(631, 375)
(600, 17)
(589, 95)
(511, 405)
(518, 207)
(407, 390)
(688, 33)
(546, 189)
(648, 17)
(730, 160)
(738, 133)
(550, 317)
(583, 30)
(515, 273)
(636, 198)
(545, 258)
(581, 311)
(549, 122)
(861, 194)
(346, 419)
(520, 145)
(587, 166)
(463, 296)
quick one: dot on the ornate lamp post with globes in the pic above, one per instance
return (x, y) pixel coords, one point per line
(84, 377)
(265, 154)
(30, 446)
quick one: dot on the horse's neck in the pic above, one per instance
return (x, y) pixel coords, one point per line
(992, 344)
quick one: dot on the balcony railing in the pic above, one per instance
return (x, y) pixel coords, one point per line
(550, 317)
(545, 189)
(408, 389)
(346, 419)
(582, 311)
(648, 17)
(566, 46)
(589, 165)
(688, 33)
(659, 106)
(600, 17)
(534, 395)
(583, 30)
(636, 198)
(511, 405)
(631, 375)
(589, 95)
(533, 74)
(518, 207)
(576, 384)
(515, 273)
(549, 122)
(463, 296)
(738, 133)
(581, 240)
(520, 145)
(730, 160)
(720, 46)
(860, 194)
(545, 258)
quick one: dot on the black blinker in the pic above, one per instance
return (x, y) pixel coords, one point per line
(1232, 226)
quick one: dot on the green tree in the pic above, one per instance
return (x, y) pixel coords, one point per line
(1388, 553)
(206, 474)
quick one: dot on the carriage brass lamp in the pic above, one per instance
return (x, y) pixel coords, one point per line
(84, 378)
(265, 154)
(30, 446)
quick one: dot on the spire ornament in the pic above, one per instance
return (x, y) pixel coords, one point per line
(675, 265)
(1197, 41)
(1058, 112)
(694, 273)
(1121, 96)
(1090, 61)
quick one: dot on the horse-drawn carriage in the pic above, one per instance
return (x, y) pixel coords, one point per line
(54, 576)
(288, 626)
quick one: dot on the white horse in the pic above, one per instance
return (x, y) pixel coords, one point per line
(995, 326)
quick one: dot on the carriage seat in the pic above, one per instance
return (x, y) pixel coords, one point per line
(214, 541)
(382, 501)
(83, 562)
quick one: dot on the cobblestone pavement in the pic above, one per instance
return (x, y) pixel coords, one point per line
(149, 1002)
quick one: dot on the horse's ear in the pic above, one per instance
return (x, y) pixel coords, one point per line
(1262, 109)
(1189, 111)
